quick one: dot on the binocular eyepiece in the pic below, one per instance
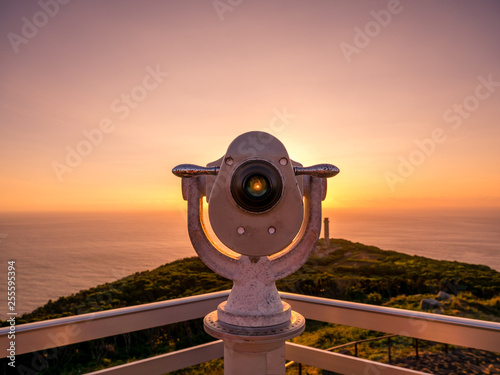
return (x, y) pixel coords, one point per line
(256, 186)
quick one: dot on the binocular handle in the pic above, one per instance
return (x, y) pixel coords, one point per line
(191, 170)
(318, 170)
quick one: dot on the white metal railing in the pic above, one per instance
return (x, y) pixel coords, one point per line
(341, 363)
(472, 333)
(164, 363)
(52, 333)
(47, 334)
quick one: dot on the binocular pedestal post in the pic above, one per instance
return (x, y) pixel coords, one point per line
(254, 350)
(267, 209)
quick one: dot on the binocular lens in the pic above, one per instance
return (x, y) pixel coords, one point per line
(256, 186)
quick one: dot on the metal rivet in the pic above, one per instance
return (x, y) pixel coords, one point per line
(283, 161)
(271, 230)
(241, 230)
(229, 161)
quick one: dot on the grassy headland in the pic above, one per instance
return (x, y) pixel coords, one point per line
(345, 270)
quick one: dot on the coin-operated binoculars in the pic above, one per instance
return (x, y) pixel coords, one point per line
(267, 209)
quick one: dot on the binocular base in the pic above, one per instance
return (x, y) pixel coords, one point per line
(250, 319)
(246, 349)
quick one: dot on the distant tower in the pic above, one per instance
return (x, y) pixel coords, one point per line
(327, 232)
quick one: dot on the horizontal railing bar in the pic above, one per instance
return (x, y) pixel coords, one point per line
(350, 344)
(168, 362)
(47, 334)
(341, 363)
(454, 330)
(433, 327)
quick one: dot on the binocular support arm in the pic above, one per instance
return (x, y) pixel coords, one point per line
(215, 258)
(273, 267)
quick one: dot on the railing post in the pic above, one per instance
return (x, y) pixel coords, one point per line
(416, 349)
(355, 349)
(238, 362)
(389, 349)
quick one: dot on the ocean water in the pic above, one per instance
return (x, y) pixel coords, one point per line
(58, 254)
(470, 236)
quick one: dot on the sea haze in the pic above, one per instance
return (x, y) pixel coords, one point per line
(58, 254)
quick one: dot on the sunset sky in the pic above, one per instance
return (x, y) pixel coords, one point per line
(404, 97)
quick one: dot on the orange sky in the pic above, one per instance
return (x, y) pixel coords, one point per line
(404, 97)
